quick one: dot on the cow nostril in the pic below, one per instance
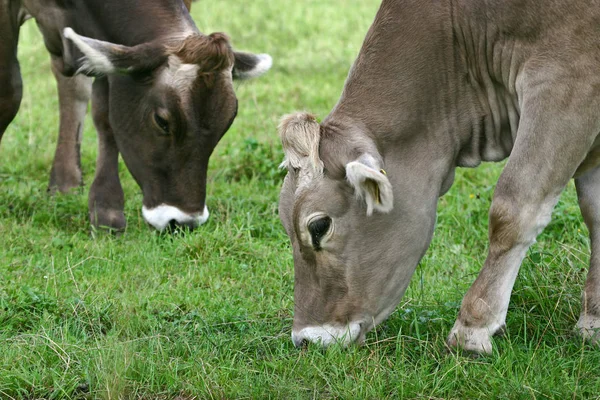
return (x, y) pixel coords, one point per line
(175, 226)
(172, 225)
(299, 341)
(301, 344)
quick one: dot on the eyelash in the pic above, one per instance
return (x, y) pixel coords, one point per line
(161, 123)
(318, 229)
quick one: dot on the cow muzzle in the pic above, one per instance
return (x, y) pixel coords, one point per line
(326, 335)
(164, 216)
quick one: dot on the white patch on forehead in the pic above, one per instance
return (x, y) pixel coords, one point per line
(160, 217)
(179, 75)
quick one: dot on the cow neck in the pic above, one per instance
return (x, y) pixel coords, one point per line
(423, 80)
(128, 23)
(403, 86)
(418, 158)
(489, 63)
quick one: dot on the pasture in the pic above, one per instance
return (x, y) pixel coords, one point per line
(87, 314)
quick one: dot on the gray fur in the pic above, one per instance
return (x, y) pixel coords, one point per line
(438, 85)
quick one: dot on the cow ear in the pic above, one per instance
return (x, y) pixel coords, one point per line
(371, 184)
(248, 65)
(104, 58)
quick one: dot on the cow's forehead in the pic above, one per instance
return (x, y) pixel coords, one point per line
(306, 180)
(179, 75)
(305, 194)
(319, 194)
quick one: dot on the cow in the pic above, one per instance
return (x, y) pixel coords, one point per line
(162, 97)
(439, 85)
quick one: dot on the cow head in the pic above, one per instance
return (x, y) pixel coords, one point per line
(356, 238)
(169, 105)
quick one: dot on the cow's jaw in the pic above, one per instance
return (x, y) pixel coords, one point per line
(163, 215)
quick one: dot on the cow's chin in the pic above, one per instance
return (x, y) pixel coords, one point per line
(385, 312)
(166, 216)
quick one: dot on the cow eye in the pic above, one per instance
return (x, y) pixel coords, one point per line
(317, 229)
(162, 123)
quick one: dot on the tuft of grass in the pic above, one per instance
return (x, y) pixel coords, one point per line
(253, 160)
(208, 314)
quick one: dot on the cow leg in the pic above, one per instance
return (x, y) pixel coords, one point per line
(73, 96)
(588, 191)
(11, 92)
(106, 200)
(552, 141)
(11, 85)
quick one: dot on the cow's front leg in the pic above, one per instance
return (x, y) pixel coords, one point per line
(11, 90)
(588, 191)
(73, 97)
(11, 85)
(514, 225)
(106, 200)
(552, 141)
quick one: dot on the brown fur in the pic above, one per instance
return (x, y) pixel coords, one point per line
(141, 58)
(135, 42)
(212, 53)
(503, 224)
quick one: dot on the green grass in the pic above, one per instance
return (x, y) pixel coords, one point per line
(86, 314)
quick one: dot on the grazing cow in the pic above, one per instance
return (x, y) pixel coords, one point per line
(439, 85)
(162, 97)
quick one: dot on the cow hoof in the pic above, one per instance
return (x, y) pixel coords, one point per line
(589, 328)
(113, 220)
(471, 339)
(64, 182)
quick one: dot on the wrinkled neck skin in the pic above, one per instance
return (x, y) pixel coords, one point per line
(429, 96)
(127, 23)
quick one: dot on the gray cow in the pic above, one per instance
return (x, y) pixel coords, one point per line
(163, 97)
(439, 85)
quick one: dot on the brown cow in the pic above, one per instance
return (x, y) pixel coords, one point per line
(162, 97)
(441, 84)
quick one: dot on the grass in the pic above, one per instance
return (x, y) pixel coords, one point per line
(85, 314)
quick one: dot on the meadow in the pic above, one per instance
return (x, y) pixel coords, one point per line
(86, 314)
